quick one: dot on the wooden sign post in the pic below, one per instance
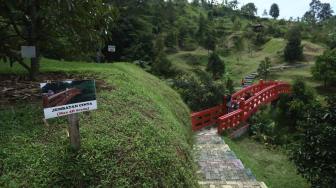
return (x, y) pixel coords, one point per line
(74, 131)
(68, 98)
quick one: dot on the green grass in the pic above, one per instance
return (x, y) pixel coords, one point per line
(139, 137)
(270, 166)
(274, 45)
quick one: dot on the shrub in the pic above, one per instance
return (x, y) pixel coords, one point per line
(315, 155)
(199, 91)
(262, 126)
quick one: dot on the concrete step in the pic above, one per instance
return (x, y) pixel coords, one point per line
(249, 77)
(214, 155)
(218, 147)
(208, 139)
(232, 184)
(227, 175)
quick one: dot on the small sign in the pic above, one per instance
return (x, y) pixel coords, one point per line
(68, 97)
(111, 48)
(28, 51)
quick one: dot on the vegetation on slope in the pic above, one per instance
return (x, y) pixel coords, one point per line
(268, 165)
(139, 136)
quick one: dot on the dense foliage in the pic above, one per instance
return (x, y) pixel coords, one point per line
(58, 29)
(325, 68)
(201, 91)
(294, 49)
(316, 152)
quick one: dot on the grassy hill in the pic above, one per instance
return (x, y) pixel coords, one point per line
(139, 136)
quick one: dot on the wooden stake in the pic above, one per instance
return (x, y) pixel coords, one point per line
(74, 131)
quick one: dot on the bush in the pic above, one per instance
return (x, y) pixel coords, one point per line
(325, 68)
(316, 153)
(199, 91)
(291, 108)
(262, 126)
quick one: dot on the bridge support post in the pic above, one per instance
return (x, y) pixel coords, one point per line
(74, 131)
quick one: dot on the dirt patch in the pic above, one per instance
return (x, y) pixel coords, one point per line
(18, 88)
(310, 49)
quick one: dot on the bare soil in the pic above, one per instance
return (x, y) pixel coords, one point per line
(16, 89)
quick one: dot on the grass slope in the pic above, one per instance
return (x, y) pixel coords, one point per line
(139, 136)
(270, 166)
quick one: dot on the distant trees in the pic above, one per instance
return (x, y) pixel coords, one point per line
(293, 50)
(249, 9)
(318, 12)
(233, 4)
(263, 69)
(215, 66)
(274, 11)
(265, 14)
(325, 68)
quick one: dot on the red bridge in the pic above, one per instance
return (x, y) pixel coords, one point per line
(248, 100)
(60, 98)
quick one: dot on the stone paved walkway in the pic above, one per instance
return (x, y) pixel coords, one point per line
(218, 165)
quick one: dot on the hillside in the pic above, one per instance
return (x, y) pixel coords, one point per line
(138, 137)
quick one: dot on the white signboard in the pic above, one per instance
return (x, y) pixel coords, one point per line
(68, 97)
(28, 51)
(111, 48)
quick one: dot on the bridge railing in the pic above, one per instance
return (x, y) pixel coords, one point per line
(207, 117)
(250, 106)
(60, 98)
(230, 120)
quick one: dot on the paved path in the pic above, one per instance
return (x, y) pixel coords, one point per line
(218, 165)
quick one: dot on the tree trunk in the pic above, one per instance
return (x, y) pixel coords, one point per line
(34, 68)
(32, 40)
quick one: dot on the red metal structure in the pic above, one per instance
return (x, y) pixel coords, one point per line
(249, 100)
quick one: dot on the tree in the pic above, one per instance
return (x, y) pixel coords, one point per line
(233, 4)
(315, 154)
(160, 65)
(325, 67)
(34, 22)
(216, 66)
(249, 9)
(293, 50)
(265, 14)
(325, 12)
(318, 11)
(210, 41)
(309, 17)
(202, 28)
(263, 69)
(274, 11)
(199, 91)
(291, 109)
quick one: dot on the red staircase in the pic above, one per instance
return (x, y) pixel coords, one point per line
(259, 94)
